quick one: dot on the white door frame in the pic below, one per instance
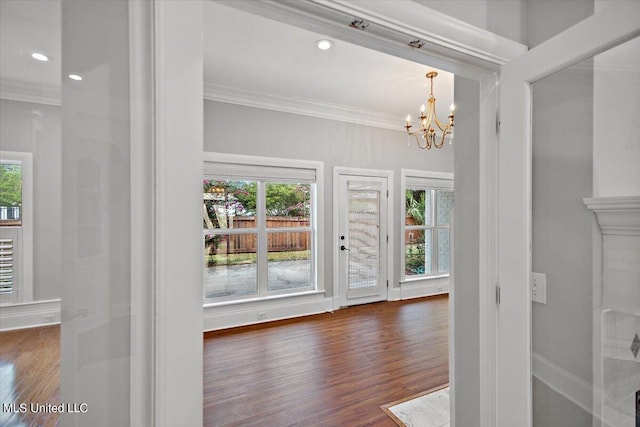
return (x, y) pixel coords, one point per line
(340, 171)
(453, 46)
(614, 25)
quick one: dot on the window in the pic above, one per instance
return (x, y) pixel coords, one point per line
(16, 234)
(259, 233)
(428, 199)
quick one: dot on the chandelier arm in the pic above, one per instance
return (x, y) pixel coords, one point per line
(422, 147)
(442, 127)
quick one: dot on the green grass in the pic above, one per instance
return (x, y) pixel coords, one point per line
(250, 258)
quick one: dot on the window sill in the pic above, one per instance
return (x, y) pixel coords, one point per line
(421, 279)
(255, 300)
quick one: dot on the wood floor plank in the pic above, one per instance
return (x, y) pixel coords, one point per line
(30, 373)
(326, 370)
(333, 369)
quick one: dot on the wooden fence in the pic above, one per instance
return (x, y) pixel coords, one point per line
(276, 241)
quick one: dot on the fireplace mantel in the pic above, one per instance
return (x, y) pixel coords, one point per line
(616, 268)
(616, 215)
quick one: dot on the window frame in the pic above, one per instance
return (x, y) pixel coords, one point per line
(428, 181)
(23, 250)
(253, 166)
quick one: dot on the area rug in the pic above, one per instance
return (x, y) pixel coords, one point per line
(426, 409)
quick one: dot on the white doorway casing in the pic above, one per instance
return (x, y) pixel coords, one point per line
(605, 29)
(475, 53)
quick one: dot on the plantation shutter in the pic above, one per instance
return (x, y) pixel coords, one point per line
(8, 266)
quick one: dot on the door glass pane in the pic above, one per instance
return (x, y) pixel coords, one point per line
(289, 260)
(585, 314)
(364, 238)
(230, 265)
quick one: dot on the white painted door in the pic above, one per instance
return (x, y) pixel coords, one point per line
(605, 29)
(362, 241)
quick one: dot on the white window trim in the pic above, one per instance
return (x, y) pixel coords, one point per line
(24, 287)
(317, 220)
(443, 180)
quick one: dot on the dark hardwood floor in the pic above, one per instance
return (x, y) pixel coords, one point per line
(323, 370)
(326, 370)
(30, 373)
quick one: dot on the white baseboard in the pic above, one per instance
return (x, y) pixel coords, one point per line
(29, 315)
(563, 382)
(228, 316)
(420, 288)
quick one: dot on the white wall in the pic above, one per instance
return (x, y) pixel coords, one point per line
(244, 130)
(35, 128)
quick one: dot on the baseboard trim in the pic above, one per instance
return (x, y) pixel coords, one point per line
(222, 317)
(29, 315)
(573, 388)
(422, 288)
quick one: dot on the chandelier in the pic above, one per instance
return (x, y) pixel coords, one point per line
(428, 119)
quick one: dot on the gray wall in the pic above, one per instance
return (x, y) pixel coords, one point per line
(237, 129)
(502, 17)
(561, 225)
(35, 128)
(545, 18)
(466, 253)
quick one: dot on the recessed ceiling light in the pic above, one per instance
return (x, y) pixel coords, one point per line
(324, 44)
(39, 56)
(75, 77)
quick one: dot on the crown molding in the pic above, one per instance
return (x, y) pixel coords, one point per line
(616, 215)
(305, 107)
(15, 90)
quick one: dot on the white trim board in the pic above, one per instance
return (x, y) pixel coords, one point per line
(29, 315)
(16, 90)
(420, 288)
(563, 382)
(220, 316)
(302, 106)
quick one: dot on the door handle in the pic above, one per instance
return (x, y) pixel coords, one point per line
(343, 248)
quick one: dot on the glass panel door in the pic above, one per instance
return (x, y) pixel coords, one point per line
(363, 239)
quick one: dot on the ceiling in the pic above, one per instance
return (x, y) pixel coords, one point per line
(248, 53)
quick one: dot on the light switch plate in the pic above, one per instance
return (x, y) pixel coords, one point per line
(539, 288)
